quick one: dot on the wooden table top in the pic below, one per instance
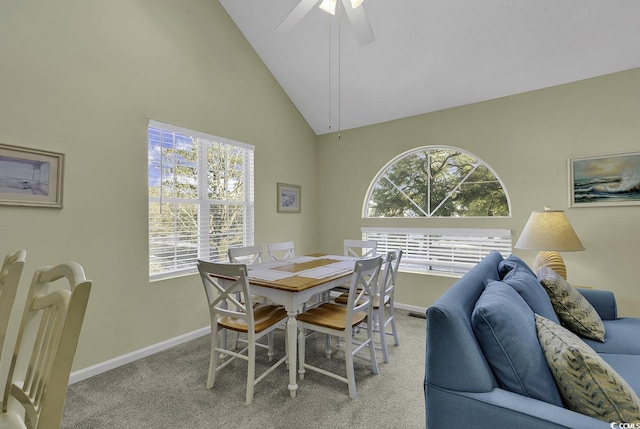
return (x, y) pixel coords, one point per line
(299, 283)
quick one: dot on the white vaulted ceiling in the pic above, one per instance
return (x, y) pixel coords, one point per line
(430, 55)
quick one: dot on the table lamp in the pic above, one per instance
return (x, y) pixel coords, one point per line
(550, 232)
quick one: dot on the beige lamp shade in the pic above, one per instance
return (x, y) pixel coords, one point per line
(550, 232)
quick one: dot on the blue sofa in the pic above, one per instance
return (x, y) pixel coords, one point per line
(461, 389)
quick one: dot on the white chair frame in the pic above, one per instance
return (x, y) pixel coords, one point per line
(385, 298)
(274, 250)
(360, 248)
(10, 274)
(47, 340)
(230, 313)
(359, 308)
(245, 255)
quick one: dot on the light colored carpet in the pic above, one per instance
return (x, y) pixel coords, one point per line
(167, 390)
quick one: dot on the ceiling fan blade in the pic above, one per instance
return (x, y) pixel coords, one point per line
(359, 22)
(296, 15)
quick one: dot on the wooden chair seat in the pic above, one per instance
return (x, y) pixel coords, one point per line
(264, 317)
(331, 316)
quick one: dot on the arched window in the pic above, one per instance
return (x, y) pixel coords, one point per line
(436, 181)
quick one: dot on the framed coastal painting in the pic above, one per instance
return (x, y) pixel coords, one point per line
(30, 177)
(289, 198)
(606, 180)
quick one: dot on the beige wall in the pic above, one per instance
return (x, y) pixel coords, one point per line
(527, 139)
(82, 78)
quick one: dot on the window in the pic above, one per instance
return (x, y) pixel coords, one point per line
(437, 250)
(200, 198)
(437, 181)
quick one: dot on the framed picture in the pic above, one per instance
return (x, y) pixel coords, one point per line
(607, 180)
(289, 198)
(30, 177)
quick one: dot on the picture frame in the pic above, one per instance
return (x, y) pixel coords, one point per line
(289, 198)
(30, 177)
(605, 180)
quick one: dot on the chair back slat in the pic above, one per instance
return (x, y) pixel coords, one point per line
(246, 255)
(362, 287)
(280, 251)
(10, 274)
(234, 300)
(360, 248)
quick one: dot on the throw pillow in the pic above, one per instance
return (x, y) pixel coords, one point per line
(505, 328)
(573, 309)
(511, 262)
(586, 382)
(530, 289)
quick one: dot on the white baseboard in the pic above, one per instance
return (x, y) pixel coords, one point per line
(409, 307)
(85, 373)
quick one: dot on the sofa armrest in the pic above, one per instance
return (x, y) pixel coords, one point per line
(603, 301)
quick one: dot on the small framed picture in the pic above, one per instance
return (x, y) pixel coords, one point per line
(30, 177)
(606, 180)
(289, 198)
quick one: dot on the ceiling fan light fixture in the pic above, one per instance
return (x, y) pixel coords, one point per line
(329, 6)
(356, 3)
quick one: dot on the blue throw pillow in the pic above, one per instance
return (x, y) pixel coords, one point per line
(533, 293)
(506, 331)
(511, 263)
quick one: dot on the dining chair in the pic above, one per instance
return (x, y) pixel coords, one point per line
(340, 321)
(245, 255)
(280, 251)
(9, 279)
(46, 344)
(384, 298)
(221, 283)
(360, 248)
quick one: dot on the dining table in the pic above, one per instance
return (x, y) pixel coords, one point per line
(294, 282)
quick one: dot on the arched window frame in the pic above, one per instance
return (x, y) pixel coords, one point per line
(383, 170)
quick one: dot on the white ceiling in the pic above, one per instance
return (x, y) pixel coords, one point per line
(430, 55)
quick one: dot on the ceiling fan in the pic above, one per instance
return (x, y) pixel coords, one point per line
(355, 13)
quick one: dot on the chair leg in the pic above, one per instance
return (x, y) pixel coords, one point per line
(270, 353)
(251, 370)
(301, 353)
(351, 376)
(372, 350)
(327, 350)
(213, 359)
(382, 328)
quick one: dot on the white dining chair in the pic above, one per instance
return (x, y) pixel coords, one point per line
(280, 251)
(245, 255)
(384, 319)
(46, 344)
(340, 321)
(229, 313)
(360, 248)
(10, 274)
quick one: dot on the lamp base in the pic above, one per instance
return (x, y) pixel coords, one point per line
(552, 260)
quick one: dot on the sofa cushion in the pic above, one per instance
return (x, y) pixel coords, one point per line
(573, 309)
(586, 382)
(511, 262)
(505, 328)
(530, 289)
(620, 337)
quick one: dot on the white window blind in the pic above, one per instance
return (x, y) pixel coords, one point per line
(200, 198)
(436, 250)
